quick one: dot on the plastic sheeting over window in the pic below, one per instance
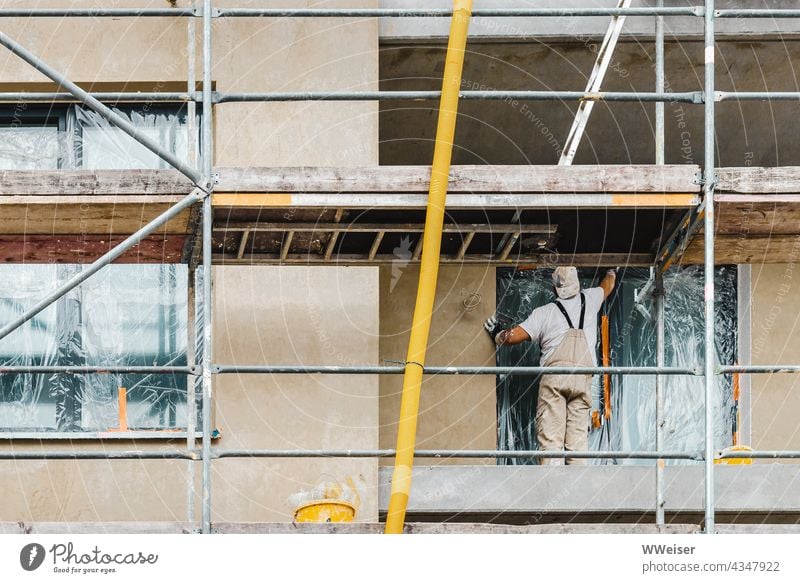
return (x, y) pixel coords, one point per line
(633, 343)
(126, 315)
(72, 136)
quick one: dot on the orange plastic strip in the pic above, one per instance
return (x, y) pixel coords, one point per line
(605, 343)
(736, 392)
(122, 397)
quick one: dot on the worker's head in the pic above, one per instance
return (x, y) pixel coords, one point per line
(565, 281)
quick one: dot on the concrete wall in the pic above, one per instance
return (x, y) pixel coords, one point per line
(509, 131)
(456, 412)
(294, 315)
(775, 322)
(559, 28)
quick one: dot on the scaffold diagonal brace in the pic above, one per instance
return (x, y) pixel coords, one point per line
(193, 197)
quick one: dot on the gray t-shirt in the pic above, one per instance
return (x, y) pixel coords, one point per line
(547, 325)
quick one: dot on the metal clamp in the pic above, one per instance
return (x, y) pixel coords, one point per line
(198, 12)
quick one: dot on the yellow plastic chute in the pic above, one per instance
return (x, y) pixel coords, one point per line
(429, 267)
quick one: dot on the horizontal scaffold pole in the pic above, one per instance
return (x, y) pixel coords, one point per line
(99, 370)
(195, 455)
(758, 13)
(685, 97)
(757, 96)
(454, 370)
(446, 13)
(759, 369)
(344, 12)
(460, 454)
(493, 95)
(104, 97)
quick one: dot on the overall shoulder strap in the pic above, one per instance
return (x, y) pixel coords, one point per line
(563, 311)
(583, 311)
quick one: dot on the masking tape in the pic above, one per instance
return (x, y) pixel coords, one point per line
(401, 480)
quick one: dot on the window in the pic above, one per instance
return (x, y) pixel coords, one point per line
(126, 315)
(632, 343)
(31, 139)
(72, 136)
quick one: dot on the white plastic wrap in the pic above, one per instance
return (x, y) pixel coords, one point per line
(126, 315)
(632, 423)
(72, 136)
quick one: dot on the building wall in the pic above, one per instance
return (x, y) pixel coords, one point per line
(263, 314)
(287, 315)
(249, 55)
(775, 323)
(294, 315)
(456, 412)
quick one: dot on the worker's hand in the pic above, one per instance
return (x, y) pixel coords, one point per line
(612, 272)
(493, 328)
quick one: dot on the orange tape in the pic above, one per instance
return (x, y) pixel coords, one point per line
(604, 342)
(122, 397)
(736, 393)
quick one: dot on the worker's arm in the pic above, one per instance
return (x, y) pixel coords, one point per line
(501, 335)
(512, 336)
(608, 282)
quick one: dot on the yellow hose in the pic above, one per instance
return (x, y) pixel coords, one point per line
(429, 267)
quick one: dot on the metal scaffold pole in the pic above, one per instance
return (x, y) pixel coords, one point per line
(208, 150)
(658, 294)
(708, 190)
(660, 84)
(191, 353)
(659, 275)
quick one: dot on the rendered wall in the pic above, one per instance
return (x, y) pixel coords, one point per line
(255, 306)
(249, 55)
(775, 324)
(294, 315)
(285, 315)
(456, 412)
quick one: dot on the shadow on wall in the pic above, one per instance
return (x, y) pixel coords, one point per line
(632, 343)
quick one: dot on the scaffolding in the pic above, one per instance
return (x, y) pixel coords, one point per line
(204, 180)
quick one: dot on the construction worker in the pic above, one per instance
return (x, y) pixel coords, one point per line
(566, 331)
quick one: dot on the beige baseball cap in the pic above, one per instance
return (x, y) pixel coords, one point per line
(565, 280)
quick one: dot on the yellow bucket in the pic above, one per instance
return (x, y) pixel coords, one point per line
(735, 460)
(325, 511)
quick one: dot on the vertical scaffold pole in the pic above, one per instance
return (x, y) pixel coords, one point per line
(660, 85)
(658, 295)
(208, 150)
(659, 288)
(191, 413)
(708, 191)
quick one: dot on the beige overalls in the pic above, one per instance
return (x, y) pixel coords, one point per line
(562, 412)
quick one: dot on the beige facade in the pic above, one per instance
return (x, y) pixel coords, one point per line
(456, 412)
(277, 315)
(775, 323)
(321, 315)
(294, 315)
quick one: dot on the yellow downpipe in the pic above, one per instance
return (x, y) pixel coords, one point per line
(429, 267)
